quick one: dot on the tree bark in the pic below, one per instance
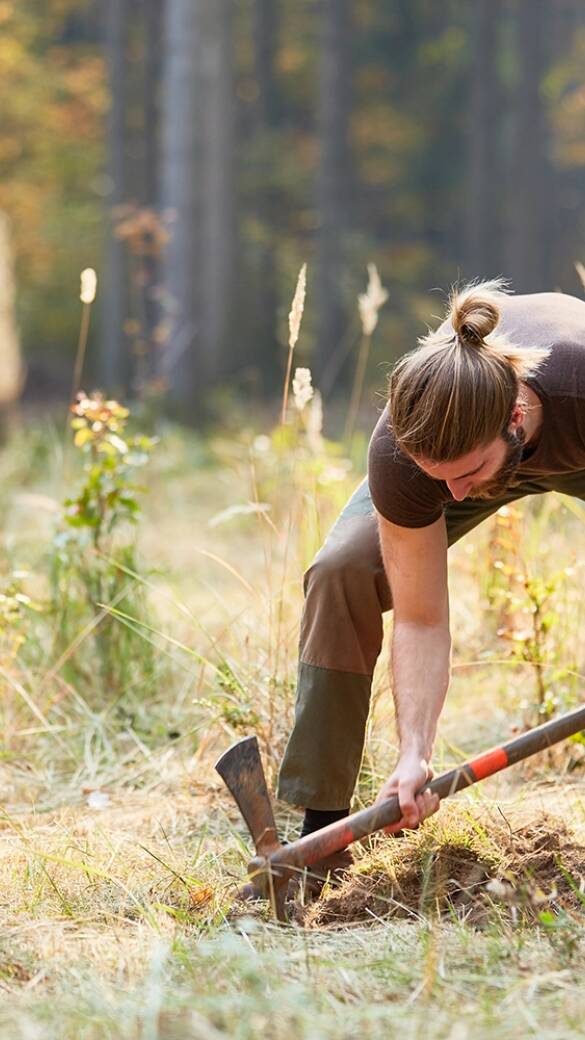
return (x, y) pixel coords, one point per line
(153, 26)
(485, 253)
(115, 364)
(568, 18)
(266, 22)
(332, 195)
(179, 365)
(153, 23)
(218, 193)
(266, 349)
(530, 203)
(11, 369)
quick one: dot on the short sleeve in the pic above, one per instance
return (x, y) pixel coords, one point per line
(400, 491)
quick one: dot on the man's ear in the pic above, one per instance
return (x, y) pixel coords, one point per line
(517, 416)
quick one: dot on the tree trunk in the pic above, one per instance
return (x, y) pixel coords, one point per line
(115, 363)
(530, 203)
(485, 178)
(179, 366)
(266, 349)
(332, 194)
(153, 23)
(11, 371)
(568, 19)
(218, 194)
(266, 21)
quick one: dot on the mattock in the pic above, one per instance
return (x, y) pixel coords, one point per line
(241, 769)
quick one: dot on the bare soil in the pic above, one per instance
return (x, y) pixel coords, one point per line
(519, 872)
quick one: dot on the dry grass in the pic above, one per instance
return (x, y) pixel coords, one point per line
(115, 920)
(475, 865)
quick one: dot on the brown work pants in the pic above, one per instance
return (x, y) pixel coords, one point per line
(346, 593)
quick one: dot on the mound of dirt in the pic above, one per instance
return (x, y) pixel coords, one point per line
(518, 872)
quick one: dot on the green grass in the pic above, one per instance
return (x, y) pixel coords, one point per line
(116, 921)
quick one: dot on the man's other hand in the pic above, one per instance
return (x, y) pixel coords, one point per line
(411, 773)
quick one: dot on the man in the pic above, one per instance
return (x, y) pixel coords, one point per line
(488, 409)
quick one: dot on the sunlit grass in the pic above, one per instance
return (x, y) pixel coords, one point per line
(116, 920)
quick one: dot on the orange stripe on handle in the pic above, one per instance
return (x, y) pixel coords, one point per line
(488, 763)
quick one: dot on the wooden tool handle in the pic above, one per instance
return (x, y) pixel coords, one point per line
(313, 847)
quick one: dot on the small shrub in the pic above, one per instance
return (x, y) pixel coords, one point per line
(527, 612)
(95, 563)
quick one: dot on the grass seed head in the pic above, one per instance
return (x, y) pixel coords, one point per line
(302, 387)
(88, 285)
(370, 302)
(298, 305)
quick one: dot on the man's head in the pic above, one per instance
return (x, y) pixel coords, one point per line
(455, 404)
(483, 473)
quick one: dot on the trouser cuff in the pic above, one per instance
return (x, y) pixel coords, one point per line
(323, 756)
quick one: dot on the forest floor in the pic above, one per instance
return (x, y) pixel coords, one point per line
(121, 851)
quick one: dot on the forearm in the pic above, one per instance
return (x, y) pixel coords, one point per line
(420, 663)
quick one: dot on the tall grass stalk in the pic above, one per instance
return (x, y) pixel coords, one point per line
(369, 304)
(87, 297)
(294, 324)
(357, 388)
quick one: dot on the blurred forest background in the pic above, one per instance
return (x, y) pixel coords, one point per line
(196, 152)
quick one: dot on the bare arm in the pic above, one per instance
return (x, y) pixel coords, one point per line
(416, 564)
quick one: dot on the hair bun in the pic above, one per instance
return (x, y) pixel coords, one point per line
(474, 317)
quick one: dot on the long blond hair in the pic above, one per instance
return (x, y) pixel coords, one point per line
(457, 390)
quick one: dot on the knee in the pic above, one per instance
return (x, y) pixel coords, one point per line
(348, 567)
(339, 566)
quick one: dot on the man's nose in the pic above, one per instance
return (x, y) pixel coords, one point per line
(459, 489)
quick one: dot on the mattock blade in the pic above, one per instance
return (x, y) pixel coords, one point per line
(240, 767)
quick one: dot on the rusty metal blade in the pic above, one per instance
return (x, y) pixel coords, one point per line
(240, 767)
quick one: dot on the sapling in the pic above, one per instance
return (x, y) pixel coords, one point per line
(95, 546)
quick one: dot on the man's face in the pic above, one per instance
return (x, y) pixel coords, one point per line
(483, 473)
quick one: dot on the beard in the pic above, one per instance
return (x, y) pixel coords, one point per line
(497, 485)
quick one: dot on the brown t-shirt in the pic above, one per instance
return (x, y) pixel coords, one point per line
(405, 495)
